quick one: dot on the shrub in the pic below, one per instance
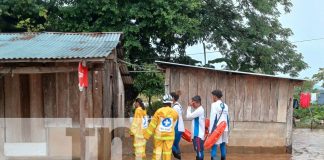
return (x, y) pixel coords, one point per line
(155, 106)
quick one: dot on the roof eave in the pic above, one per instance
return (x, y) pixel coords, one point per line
(161, 63)
(51, 60)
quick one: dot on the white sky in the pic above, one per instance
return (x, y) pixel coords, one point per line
(306, 20)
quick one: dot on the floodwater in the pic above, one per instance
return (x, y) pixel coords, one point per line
(307, 145)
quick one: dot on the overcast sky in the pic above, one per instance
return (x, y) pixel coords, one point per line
(307, 22)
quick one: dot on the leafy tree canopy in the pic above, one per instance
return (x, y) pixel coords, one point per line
(247, 33)
(250, 37)
(318, 77)
(149, 82)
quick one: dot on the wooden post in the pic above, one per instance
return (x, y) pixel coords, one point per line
(107, 99)
(83, 115)
(289, 118)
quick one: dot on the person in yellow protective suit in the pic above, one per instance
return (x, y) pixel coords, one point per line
(162, 126)
(140, 122)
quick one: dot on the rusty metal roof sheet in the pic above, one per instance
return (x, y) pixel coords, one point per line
(57, 45)
(162, 63)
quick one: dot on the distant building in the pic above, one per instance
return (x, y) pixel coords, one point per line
(321, 98)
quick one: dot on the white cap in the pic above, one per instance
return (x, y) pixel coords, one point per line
(167, 98)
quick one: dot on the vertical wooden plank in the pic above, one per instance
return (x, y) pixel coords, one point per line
(248, 98)
(12, 109)
(25, 107)
(193, 83)
(24, 95)
(83, 115)
(175, 79)
(62, 94)
(89, 95)
(49, 94)
(265, 104)
(107, 90)
(274, 95)
(231, 96)
(105, 136)
(202, 86)
(240, 97)
(74, 99)
(211, 85)
(2, 100)
(36, 96)
(222, 84)
(256, 99)
(283, 101)
(184, 88)
(36, 109)
(121, 98)
(115, 90)
(214, 76)
(289, 118)
(12, 96)
(97, 94)
(167, 84)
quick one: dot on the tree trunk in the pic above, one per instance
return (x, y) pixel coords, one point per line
(149, 100)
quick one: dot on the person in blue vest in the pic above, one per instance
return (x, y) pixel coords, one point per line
(219, 112)
(196, 113)
(179, 127)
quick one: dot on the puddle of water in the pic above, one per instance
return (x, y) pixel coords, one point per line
(308, 144)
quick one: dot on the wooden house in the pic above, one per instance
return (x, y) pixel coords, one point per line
(260, 105)
(39, 80)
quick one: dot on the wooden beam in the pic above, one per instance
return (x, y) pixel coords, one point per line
(36, 70)
(83, 115)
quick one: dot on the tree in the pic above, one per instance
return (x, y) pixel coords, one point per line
(246, 32)
(153, 29)
(319, 76)
(250, 37)
(149, 82)
(22, 15)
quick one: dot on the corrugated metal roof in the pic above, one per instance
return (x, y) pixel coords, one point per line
(126, 77)
(57, 45)
(229, 71)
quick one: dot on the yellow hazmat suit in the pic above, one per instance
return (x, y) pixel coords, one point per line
(162, 126)
(140, 122)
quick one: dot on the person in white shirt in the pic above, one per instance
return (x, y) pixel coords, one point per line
(196, 113)
(179, 127)
(219, 112)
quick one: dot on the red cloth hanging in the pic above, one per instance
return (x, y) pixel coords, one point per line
(305, 99)
(83, 76)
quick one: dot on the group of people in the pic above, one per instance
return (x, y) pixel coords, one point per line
(167, 127)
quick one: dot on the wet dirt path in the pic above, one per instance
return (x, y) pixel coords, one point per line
(307, 145)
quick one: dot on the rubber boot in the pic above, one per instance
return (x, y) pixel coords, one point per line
(223, 158)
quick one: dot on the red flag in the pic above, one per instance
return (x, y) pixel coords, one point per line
(305, 99)
(83, 76)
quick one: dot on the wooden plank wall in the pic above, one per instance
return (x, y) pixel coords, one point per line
(250, 98)
(48, 95)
